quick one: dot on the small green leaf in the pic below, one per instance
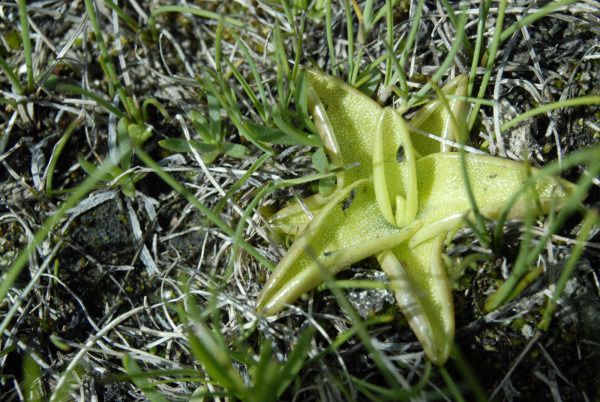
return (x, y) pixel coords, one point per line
(200, 125)
(235, 150)
(139, 133)
(88, 167)
(123, 129)
(179, 145)
(291, 132)
(301, 95)
(319, 160)
(208, 152)
(273, 135)
(214, 119)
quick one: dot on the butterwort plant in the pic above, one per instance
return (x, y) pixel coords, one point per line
(404, 192)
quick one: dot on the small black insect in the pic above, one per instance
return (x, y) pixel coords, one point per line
(348, 201)
(400, 154)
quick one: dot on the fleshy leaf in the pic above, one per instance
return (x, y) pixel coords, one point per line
(393, 139)
(442, 197)
(348, 126)
(420, 284)
(348, 229)
(434, 118)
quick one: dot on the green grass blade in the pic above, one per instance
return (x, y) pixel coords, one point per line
(301, 101)
(484, 8)
(67, 88)
(131, 23)
(463, 37)
(329, 35)
(12, 77)
(292, 132)
(531, 18)
(283, 69)
(468, 375)
(215, 361)
(255, 74)
(389, 25)
(58, 148)
(580, 101)
(248, 90)
(445, 64)
(198, 12)
(591, 220)
(240, 182)
(32, 377)
(350, 39)
(295, 360)
(412, 34)
(141, 380)
(26, 43)
(452, 387)
(523, 262)
(214, 119)
(491, 57)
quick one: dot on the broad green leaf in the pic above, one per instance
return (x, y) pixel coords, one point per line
(442, 197)
(348, 129)
(346, 120)
(346, 230)
(420, 284)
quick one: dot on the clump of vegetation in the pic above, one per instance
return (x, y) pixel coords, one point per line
(202, 140)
